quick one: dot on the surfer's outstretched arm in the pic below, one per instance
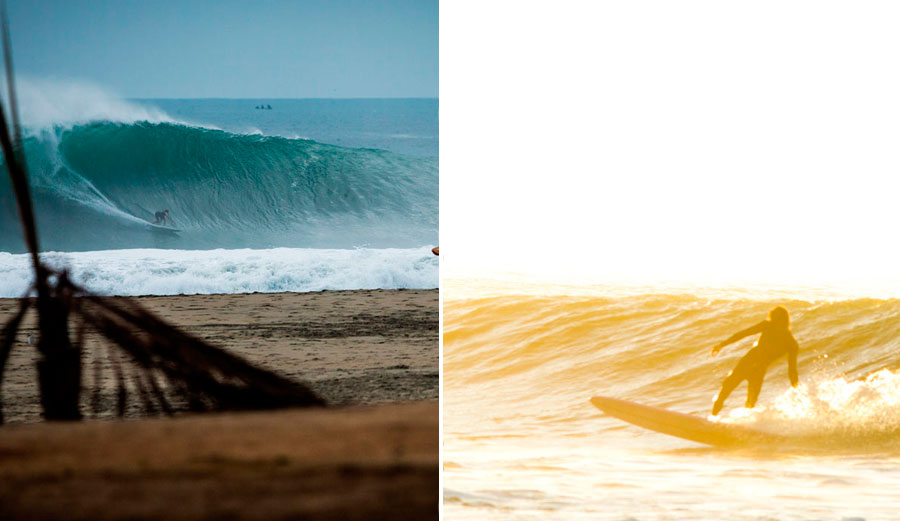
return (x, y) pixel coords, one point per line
(753, 330)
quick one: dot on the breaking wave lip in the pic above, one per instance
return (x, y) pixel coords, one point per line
(46, 104)
(182, 272)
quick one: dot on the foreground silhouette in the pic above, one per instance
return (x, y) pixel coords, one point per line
(775, 340)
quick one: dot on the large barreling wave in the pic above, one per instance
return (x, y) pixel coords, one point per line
(99, 172)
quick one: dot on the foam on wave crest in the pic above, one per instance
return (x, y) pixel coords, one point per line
(46, 104)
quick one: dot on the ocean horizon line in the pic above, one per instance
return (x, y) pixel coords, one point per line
(338, 98)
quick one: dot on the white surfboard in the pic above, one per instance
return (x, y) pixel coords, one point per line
(684, 425)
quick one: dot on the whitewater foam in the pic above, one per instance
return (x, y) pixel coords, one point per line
(174, 272)
(837, 409)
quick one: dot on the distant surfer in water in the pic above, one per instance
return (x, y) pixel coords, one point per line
(775, 340)
(162, 217)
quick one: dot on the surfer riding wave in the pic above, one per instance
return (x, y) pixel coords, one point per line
(775, 340)
(162, 217)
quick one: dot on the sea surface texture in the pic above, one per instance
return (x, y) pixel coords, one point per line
(351, 185)
(522, 441)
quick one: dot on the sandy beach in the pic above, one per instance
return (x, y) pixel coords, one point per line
(373, 355)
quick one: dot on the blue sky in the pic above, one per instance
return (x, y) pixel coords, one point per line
(232, 49)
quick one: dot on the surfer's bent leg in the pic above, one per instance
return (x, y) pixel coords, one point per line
(734, 378)
(742, 371)
(754, 386)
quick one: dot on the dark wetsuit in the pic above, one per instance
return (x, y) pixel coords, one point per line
(160, 218)
(774, 342)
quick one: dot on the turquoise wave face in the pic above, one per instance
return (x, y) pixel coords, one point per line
(96, 186)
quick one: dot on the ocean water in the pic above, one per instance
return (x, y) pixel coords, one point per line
(307, 195)
(522, 441)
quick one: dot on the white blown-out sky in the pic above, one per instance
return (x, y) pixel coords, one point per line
(702, 141)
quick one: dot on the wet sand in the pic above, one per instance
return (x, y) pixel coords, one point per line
(374, 454)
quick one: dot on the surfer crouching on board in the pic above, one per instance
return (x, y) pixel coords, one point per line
(161, 217)
(775, 341)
